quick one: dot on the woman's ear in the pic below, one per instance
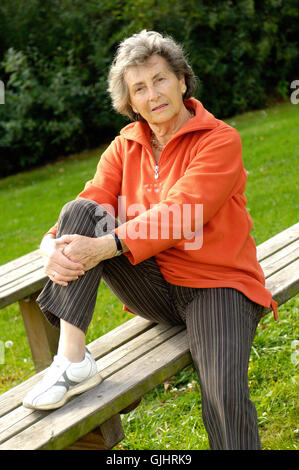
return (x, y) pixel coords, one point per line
(183, 85)
(133, 109)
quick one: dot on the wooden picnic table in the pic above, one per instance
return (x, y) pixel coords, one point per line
(133, 358)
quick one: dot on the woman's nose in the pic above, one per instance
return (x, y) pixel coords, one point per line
(153, 94)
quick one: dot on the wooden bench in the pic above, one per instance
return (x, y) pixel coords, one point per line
(133, 358)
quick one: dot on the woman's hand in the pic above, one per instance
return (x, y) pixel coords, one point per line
(87, 251)
(58, 266)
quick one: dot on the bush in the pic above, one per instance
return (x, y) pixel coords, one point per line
(49, 109)
(55, 55)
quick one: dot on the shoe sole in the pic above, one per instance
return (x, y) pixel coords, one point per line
(76, 390)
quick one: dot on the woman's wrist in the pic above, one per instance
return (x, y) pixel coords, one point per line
(119, 248)
(119, 245)
(124, 246)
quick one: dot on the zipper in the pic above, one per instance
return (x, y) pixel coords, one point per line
(156, 172)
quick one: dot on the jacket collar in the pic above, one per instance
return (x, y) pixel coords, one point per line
(139, 131)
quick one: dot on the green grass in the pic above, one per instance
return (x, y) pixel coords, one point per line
(170, 416)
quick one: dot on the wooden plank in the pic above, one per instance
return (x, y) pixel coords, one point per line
(21, 261)
(119, 336)
(17, 420)
(16, 276)
(21, 277)
(98, 348)
(131, 407)
(136, 348)
(145, 341)
(90, 409)
(114, 361)
(281, 259)
(104, 437)
(19, 290)
(285, 283)
(278, 242)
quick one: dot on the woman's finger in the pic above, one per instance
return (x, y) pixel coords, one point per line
(62, 278)
(59, 258)
(65, 239)
(55, 278)
(69, 274)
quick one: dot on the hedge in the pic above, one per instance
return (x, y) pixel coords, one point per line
(55, 56)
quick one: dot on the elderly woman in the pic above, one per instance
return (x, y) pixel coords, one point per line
(164, 224)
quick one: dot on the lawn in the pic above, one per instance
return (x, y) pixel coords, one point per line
(170, 416)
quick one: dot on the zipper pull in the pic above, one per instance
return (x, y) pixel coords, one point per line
(156, 172)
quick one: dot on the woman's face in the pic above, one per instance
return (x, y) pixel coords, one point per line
(155, 91)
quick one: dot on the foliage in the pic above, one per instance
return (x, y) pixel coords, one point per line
(55, 56)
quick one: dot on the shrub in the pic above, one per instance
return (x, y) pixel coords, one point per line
(55, 55)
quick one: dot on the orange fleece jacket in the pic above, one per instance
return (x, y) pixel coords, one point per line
(200, 167)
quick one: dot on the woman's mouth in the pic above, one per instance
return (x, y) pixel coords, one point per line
(160, 107)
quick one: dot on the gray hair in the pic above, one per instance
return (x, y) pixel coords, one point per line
(135, 50)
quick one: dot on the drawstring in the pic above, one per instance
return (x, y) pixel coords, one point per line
(274, 306)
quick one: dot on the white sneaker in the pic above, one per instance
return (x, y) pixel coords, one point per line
(62, 380)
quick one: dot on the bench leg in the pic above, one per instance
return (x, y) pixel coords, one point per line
(42, 337)
(104, 437)
(131, 407)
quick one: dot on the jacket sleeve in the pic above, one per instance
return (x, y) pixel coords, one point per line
(212, 176)
(105, 186)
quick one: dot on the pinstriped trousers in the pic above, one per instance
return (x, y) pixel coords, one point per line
(220, 324)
